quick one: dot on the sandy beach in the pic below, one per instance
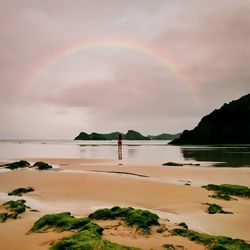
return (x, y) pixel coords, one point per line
(125, 125)
(81, 186)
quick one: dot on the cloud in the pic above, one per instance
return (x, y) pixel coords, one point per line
(208, 41)
(140, 95)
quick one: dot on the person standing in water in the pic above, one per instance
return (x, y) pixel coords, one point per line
(119, 147)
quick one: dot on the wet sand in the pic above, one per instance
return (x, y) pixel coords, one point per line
(76, 186)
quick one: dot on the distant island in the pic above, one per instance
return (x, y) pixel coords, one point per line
(130, 135)
(228, 125)
(165, 136)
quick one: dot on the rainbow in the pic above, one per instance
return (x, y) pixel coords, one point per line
(153, 54)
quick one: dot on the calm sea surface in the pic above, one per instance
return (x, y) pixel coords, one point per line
(134, 152)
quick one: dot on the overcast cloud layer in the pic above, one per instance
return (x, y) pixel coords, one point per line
(115, 89)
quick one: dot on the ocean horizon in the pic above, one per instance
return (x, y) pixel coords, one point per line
(134, 152)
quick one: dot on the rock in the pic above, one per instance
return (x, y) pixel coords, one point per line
(42, 165)
(228, 125)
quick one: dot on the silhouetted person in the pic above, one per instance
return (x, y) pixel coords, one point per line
(119, 147)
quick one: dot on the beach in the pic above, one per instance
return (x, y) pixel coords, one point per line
(82, 186)
(125, 125)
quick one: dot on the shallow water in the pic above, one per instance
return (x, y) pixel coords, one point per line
(134, 152)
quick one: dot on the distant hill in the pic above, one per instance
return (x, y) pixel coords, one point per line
(228, 125)
(130, 135)
(134, 135)
(92, 136)
(165, 136)
(112, 136)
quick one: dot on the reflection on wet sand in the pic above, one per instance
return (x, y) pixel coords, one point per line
(223, 156)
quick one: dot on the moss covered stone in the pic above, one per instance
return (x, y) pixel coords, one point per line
(3, 217)
(15, 208)
(213, 242)
(17, 164)
(87, 235)
(224, 191)
(20, 191)
(89, 240)
(214, 209)
(62, 222)
(169, 247)
(143, 219)
(222, 196)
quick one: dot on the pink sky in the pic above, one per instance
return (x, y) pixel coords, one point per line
(115, 89)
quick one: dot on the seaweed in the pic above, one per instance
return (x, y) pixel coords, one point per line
(172, 247)
(222, 196)
(224, 191)
(169, 247)
(21, 191)
(212, 242)
(3, 217)
(214, 209)
(15, 208)
(143, 219)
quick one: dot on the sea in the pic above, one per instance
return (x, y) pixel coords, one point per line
(151, 152)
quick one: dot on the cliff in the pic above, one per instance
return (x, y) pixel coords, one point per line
(228, 125)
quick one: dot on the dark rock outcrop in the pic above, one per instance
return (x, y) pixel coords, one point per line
(83, 136)
(17, 164)
(228, 125)
(42, 165)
